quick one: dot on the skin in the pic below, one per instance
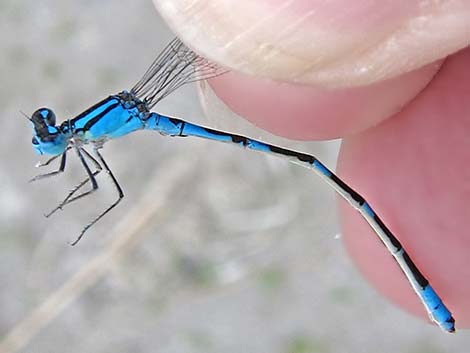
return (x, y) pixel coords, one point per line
(392, 83)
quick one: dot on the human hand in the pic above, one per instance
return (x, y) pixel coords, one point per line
(373, 73)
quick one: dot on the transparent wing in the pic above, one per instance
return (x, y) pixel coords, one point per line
(174, 67)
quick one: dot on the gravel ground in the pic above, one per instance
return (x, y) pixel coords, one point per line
(213, 249)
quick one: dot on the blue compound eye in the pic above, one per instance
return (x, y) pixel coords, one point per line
(45, 114)
(34, 141)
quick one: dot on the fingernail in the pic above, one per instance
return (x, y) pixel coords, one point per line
(336, 43)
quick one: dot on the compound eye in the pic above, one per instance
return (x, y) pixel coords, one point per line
(34, 141)
(46, 114)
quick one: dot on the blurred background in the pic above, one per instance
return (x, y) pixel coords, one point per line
(214, 249)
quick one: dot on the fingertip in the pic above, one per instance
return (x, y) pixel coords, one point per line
(413, 170)
(311, 113)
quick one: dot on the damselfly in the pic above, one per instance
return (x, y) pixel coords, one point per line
(129, 111)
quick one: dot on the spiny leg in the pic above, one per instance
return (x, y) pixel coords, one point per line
(46, 163)
(120, 196)
(55, 172)
(91, 177)
(68, 199)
